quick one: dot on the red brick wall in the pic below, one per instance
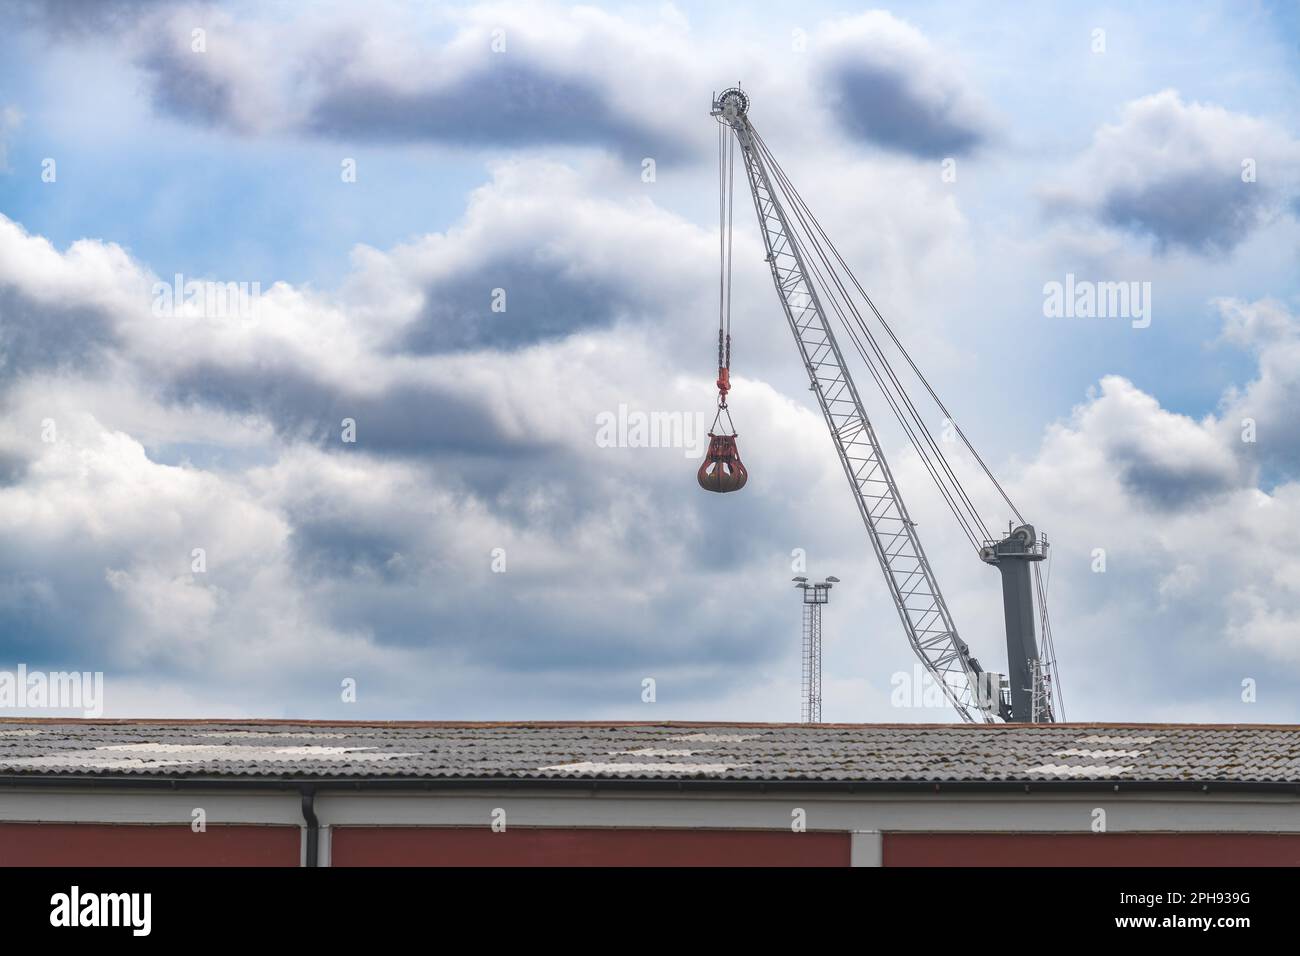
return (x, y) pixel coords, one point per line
(86, 844)
(523, 846)
(1091, 849)
(96, 844)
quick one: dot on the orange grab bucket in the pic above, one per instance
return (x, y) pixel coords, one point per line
(722, 470)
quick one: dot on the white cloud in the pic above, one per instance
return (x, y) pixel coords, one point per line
(517, 74)
(1201, 579)
(379, 565)
(1258, 419)
(373, 561)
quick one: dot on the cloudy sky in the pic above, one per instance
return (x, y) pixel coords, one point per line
(179, 507)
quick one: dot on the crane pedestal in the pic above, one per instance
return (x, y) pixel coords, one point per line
(1013, 556)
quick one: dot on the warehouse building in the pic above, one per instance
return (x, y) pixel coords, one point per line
(280, 793)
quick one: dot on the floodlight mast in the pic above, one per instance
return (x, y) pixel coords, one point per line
(815, 596)
(975, 694)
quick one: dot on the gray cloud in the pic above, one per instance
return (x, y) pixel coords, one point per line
(1173, 172)
(13, 467)
(255, 76)
(42, 334)
(402, 419)
(1223, 213)
(886, 84)
(881, 106)
(53, 608)
(1167, 485)
(340, 549)
(186, 85)
(542, 303)
(504, 102)
(507, 103)
(78, 18)
(398, 571)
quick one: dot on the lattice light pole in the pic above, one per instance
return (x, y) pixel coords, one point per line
(814, 596)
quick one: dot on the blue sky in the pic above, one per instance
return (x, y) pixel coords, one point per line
(521, 169)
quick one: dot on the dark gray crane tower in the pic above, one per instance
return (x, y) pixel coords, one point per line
(1013, 556)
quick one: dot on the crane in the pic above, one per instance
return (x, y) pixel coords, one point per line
(814, 283)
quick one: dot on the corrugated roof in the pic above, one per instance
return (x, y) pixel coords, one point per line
(771, 753)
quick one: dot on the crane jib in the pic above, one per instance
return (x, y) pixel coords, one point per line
(804, 272)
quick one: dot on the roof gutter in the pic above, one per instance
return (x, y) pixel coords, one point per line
(309, 789)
